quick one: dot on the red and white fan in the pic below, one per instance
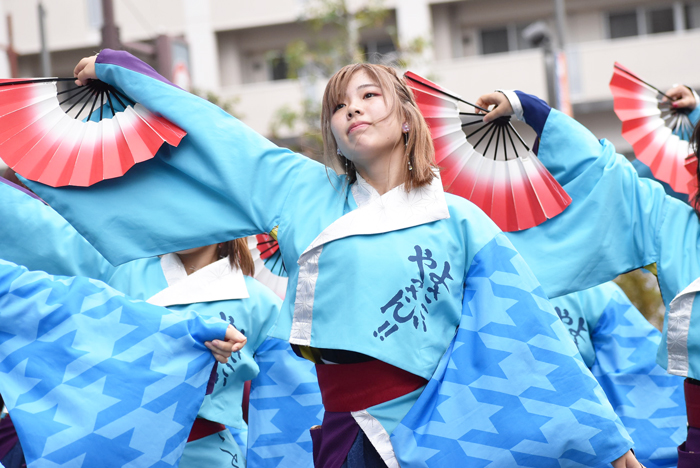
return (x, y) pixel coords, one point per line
(269, 265)
(78, 136)
(658, 133)
(488, 164)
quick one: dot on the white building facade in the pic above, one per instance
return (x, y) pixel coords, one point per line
(475, 46)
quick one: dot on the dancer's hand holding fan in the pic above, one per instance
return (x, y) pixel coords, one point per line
(657, 126)
(77, 136)
(484, 159)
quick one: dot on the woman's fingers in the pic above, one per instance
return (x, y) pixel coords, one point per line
(628, 460)
(85, 70)
(682, 97)
(501, 103)
(232, 343)
(219, 355)
(234, 336)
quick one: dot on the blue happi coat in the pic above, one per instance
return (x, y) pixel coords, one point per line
(390, 276)
(92, 378)
(619, 346)
(35, 235)
(617, 222)
(285, 402)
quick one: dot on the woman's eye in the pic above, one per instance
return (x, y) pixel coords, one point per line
(369, 95)
(338, 107)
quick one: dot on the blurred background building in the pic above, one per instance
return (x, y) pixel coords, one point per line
(237, 49)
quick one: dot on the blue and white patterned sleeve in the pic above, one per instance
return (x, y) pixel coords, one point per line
(512, 389)
(285, 402)
(649, 401)
(92, 378)
(615, 222)
(224, 181)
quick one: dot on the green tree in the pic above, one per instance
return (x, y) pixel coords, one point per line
(337, 31)
(642, 289)
(228, 105)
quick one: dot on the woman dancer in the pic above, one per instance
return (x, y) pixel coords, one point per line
(619, 346)
(616, 222)
(214, 280)
(93, 378)
(383, 267)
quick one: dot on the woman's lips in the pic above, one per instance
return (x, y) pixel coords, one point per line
(357, 125)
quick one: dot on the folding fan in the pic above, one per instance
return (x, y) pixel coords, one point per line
(54, 138)
(488, 164)
(691, 165)
(269, 266)
(658, 133)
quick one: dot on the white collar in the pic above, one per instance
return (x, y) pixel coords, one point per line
(396, 209)
(364, 193)
(217, 281)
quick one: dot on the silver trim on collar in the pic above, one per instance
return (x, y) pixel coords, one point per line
(678, 326)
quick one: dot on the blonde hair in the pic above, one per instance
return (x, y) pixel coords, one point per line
(419, 149)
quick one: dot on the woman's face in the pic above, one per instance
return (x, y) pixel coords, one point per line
(362, 124)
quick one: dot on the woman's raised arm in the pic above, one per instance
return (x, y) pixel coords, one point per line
(615, 221)
(35, 236)
(223, 181)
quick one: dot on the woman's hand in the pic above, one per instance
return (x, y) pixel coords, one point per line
(233, 342)
(628, 460)
(85, 70)
(682, 97)
(499, 100)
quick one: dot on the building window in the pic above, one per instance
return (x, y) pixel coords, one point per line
(623, 24)
(504, 39)
(660, 20)
(692, 16)
(382, 51)
(278, 68)
(494, 41)
(653, 20)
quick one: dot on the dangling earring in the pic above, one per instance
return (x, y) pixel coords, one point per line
(405, 129)
(340, 155)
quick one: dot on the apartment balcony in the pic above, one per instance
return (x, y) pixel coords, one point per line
(662, 59)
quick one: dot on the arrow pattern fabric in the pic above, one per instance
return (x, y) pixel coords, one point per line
(92, 378)
(510, 390)
(285, 402)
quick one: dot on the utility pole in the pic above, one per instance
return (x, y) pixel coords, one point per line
(562, 73)
(11, 54)
(560, 19)
(45, 55)
(110, 31)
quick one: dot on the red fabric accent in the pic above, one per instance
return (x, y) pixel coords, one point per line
(204, 428)
(8, 435)
(692, 403)
(213, 377)
(687, 458)
(246, 400)
(354, 387)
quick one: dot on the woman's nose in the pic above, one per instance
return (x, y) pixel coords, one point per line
(353, 111)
